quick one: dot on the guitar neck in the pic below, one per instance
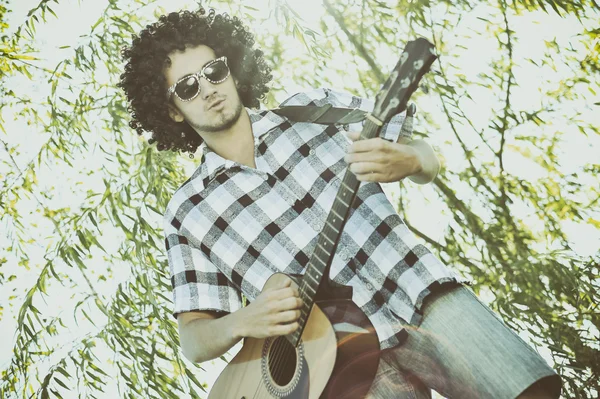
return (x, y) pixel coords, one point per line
(328, 239)
(414, 61)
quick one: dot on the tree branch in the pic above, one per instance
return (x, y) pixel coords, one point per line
(362, 51)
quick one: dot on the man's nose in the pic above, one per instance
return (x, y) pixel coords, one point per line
(207, 89)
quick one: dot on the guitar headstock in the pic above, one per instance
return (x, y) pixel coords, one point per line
(417, 57)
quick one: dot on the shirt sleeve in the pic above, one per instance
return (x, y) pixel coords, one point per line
(397, 126)
(197, 283)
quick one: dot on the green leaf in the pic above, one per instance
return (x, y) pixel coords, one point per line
(63, 372)
(62, 384)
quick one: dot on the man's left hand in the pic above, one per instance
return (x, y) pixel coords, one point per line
(380, 160)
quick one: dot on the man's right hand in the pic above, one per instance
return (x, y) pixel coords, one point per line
(274, 312)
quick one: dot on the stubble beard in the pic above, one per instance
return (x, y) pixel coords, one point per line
(224, 121)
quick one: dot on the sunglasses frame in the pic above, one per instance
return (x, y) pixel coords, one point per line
(197, 76)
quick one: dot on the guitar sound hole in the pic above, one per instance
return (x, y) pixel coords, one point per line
(282, 361)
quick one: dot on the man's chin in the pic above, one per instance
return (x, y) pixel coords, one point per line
(226, 123)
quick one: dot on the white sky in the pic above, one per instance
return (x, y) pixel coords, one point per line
(531, 30)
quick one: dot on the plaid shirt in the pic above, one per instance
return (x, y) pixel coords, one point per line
(230, 227)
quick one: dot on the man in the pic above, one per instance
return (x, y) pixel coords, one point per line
(259, 198)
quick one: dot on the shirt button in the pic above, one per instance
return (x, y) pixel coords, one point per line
(312, 152)
(370, 286)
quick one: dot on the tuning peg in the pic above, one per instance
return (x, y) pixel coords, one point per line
(411, 109)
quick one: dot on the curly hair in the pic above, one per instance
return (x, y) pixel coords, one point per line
(146, 59)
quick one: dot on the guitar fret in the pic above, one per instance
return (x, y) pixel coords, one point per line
(347, 187)
(312, 290)
(322, 247)
(343, 202)
(316, 255)
(304, 314)
(336, 214)
(313, 278)
(328, 239)
(333, 227)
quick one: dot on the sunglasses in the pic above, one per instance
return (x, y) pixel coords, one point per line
(188, 87)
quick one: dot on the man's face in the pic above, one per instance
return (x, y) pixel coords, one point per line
(217, 107)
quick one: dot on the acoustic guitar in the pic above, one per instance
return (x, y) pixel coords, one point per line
(318, 360)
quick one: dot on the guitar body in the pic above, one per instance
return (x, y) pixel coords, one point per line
(326, 364)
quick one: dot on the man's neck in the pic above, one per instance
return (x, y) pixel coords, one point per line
(235, 143)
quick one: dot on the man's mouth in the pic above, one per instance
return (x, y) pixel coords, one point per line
(214, 104)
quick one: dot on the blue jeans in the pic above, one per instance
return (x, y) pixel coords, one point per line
(462, 350)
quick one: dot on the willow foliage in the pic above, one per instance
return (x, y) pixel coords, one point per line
(85, 299)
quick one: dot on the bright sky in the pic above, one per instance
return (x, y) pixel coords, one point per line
(531, 29)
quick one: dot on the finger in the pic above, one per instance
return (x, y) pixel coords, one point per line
(353, 135)
(362, 168)
(281, 300)
(370, 156)
(371, 177)
(375, 144)
(283, 329)
(284, 293)
(288, 316)
(289, 303)
(279, 284)
(286, 282)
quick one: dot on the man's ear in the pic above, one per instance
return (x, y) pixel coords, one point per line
(175, 114)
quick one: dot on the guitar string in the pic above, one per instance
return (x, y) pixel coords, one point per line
(258, 386)
(278, 347)
(278, 351)
(278, 367)
(280, 360)
(279, 356)
(265, 393)
(262, 393)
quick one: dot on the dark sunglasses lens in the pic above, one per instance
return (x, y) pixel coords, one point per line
(216, 71)
(187, 88)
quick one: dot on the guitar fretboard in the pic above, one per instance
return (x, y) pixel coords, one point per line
(328, 239)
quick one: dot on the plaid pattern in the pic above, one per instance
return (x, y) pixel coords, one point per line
(230, 227)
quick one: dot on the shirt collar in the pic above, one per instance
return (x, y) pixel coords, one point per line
(262, 121)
